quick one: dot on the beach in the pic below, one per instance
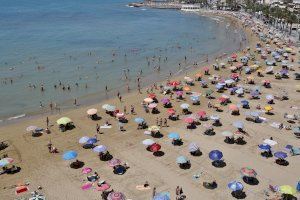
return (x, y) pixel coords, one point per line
(59, 181)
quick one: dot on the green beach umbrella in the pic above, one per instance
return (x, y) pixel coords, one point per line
(64, 120)
(208, 92)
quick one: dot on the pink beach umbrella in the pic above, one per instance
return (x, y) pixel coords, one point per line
(116, 196)
(152, 105)
(233, 107)
(189, 120)
(165, 100)
(148, 100)
(119, 115)
(114, 162)
(86, 186)
(201, 113)
(86, 170)
(206, 69)
(179, 93)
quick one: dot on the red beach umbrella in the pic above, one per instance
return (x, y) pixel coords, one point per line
(155, 147)
(189, 120)
(171, 111)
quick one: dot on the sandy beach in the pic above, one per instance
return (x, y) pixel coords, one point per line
(59, 181)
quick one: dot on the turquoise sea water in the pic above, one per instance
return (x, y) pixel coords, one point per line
(47, 41)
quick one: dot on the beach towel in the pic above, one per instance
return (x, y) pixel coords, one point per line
(142, 188)
(105, 126)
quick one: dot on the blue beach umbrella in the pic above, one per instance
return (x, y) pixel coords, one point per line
(264, 147)
(245, 102)
(218, 86)
(235, 186)
(184, 106)
(69, 155)
(296, 130)
(162, 196)
(174, 136)
(215, 155)
(100, 148)
(194, 98)
(238, 124)
(182, 160)
(92, 141)
(139, 120)
(280, 154)
(83, 139)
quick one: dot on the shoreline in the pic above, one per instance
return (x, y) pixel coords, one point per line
(93, 98)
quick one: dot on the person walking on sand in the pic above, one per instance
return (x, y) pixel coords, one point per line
(47, 122)
(97, 128)
(160, 123)
(75, 102)
(154, 192)
(125, 110)
(165, 122)
(132, 109)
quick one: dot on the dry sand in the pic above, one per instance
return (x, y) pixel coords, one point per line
(59, 181)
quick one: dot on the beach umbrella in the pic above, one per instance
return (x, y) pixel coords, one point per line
(152, 95)
(194, 98)
(6, 161)
(181, 160)
(215, 155)
(162, 196)
(86, 170)
(264, 147)
(171, 111)
(165, 100)
(174, 136)
(31, 128)
(227, 133)
(229, 81)
(83, 139)
(105, 106)
(153, 128)
(296, 130)
(155, 147)
(249, 172)
(218, 86)
(287, 189)
(148, 100)
(269, 97)
(119, 115)
(206, 69)
(100, 149)
(179, 93)
(239, 91)
(238, 124)
(148, 142)
(37, 197)
(254, 114)
(174, 83)
(189, 120)
(114, 162)
(235, 186)
(280, 154)
(268, 108)
(69, 155)
(233, 107)
(244, 102)
(193, 147)
(214, 117)
(92, 111)
(116, 196)
(254, 93)
(111, 108)
(198, 75)
(152, 105)
(201, 113)
(209, 92)
(167, 88)
(92, 141)
(270, 142)
(184, 106)
(63, 121)
(186, 88)
(139, 120)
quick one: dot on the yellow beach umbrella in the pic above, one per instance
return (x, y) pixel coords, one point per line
(153, 128)
(288, 50)
(268, 108)
(63, 121)
(287, 189)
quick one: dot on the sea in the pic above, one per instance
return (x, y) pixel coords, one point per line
(76, 49)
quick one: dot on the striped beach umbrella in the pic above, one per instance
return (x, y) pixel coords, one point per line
(249, 172)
